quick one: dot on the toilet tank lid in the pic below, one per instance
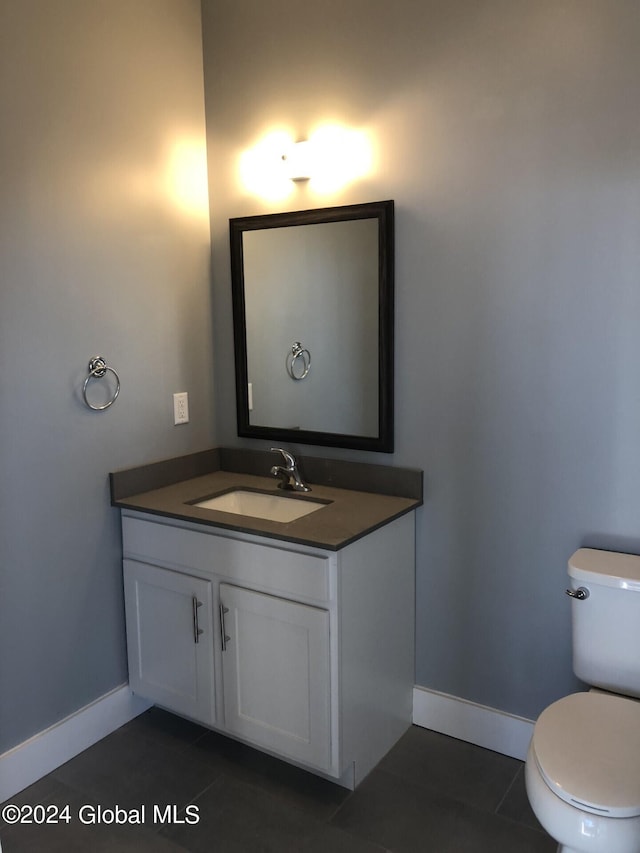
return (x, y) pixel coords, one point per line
(608, 568)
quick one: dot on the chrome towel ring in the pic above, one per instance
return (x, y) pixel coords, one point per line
(298, 361)
(98, 368)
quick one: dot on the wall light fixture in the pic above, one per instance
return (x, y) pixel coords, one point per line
(298, 161)
(331, 158)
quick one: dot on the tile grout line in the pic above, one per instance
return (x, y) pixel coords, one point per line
(506, 793)
(338, 807)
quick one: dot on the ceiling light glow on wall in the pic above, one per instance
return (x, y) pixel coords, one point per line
(262, 169)
(342, 155)
(186, 177)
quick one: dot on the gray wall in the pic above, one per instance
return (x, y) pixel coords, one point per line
(507, 133)
(100, 253)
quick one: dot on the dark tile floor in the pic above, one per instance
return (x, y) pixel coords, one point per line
(431, 793)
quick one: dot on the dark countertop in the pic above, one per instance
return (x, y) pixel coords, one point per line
(348, 515)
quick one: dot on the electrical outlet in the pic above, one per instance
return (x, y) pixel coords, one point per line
(181, 408)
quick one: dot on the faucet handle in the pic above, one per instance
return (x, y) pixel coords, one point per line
(288, 457)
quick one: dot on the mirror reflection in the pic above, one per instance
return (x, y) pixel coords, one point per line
(313, 311)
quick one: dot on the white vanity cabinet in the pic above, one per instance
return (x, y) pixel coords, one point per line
(276, 674)
(302, 652)
(170, 639)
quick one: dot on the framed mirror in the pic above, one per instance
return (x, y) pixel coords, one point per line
(313, 325)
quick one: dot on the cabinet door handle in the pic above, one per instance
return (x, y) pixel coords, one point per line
(224, 637)
(197, 630)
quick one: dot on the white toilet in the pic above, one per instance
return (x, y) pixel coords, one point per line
(583, 768)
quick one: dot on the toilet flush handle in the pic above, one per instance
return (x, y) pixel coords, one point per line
(581, 593)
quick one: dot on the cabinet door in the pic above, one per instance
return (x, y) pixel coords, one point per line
(275, 667)
(170, 639)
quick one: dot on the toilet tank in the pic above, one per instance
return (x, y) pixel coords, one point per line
(606, 624)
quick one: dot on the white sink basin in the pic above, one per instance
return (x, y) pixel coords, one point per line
(259, 505)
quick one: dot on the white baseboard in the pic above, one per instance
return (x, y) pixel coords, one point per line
(487, 727)
(34, 758)
(29, 761)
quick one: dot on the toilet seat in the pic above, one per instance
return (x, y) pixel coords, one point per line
(587, 748)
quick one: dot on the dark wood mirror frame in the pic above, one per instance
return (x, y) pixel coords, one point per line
(383, 212)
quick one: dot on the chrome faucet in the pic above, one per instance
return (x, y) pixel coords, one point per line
(289, 475)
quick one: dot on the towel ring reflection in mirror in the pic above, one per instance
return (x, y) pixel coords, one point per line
(298, 361)
(98, 368)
